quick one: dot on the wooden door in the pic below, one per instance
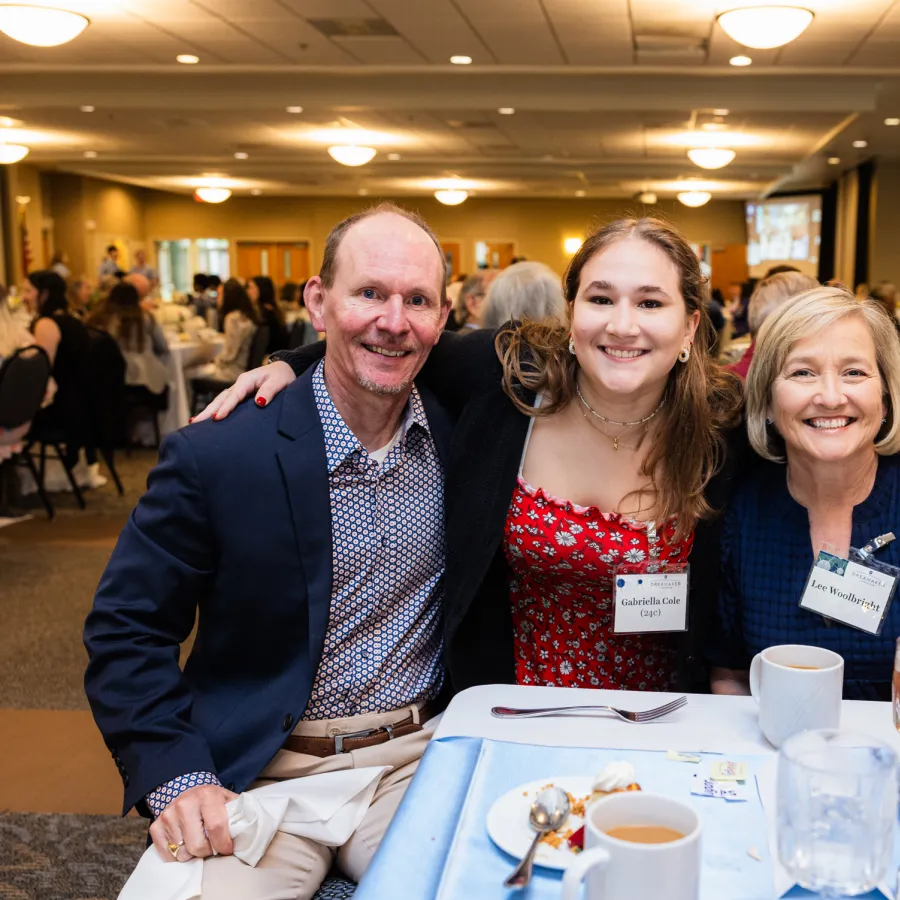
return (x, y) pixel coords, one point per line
(254, 259)
(500, 254)
(453, 255)
(280, 261)
(729, 265)
(291, 263)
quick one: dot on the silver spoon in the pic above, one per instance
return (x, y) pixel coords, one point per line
(548, 812)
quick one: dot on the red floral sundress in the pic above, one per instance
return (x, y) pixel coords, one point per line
(562, 558)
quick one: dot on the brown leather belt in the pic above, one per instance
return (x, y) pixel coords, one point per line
(357, 740)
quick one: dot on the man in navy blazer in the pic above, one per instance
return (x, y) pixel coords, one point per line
(306, 540)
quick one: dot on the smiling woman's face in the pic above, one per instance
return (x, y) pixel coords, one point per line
(629, 319)
(828, 400)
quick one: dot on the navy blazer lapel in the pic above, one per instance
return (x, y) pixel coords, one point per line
(305, 471)
(440, 424)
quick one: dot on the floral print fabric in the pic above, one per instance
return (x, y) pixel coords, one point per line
(562, 558)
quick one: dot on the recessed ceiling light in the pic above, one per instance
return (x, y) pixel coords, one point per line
(741, 61)
(572, 245)
(294, 110)
(506, 111)
(88, 108)
(90, 154)
(892, 121)
(241, 155)
(40, 26)
(648, 198)
(860, 145)
(834, 160)
(7, 122)
(393, 157)
(721, 112)
(256, 192)
(363, 192)
(187, 59)
(579, 193)
(461, 60)
(765, 27)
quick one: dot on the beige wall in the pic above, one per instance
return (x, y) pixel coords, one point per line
(537, 227)
(884, 242)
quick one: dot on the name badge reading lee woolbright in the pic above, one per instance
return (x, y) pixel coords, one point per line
(651, 602)
(849, 592)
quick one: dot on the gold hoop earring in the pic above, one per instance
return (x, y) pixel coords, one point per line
(685, 354)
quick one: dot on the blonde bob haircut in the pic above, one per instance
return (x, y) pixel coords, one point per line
(804, 316)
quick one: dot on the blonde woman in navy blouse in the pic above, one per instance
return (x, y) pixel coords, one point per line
(822, 395)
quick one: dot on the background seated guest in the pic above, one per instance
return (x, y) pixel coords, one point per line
(13, 335)
(467, 308)
(141, 267)
(67, 344)
(60, 264)
(291, 294)
(261, 291)
(79, 296)
(770, 294)
(822, 397)
(315, 617)
(525, 290)
(138, 335)
(239, 320)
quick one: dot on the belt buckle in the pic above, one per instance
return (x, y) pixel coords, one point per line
(340, 738)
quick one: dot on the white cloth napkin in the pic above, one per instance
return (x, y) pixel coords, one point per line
(325, 808)
(767, 781)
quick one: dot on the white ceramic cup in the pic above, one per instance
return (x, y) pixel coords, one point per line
(624, 870)
(791, 700)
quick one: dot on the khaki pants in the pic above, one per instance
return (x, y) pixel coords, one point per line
(293, 868)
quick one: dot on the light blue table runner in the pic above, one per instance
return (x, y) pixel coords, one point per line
(437, 847)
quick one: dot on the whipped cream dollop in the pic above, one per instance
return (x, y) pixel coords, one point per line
(615, 777)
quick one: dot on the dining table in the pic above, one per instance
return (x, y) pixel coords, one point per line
(184, 351)
(440, 839)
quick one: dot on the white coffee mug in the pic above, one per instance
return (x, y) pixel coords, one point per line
(796, 688)
(625, 870)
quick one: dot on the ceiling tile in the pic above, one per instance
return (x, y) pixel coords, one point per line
(387, 51)
(516, 31)
(593, 35)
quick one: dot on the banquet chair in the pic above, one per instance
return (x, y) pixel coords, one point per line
(105, 398)
(204, 390)
(23, 383)
(143, 404)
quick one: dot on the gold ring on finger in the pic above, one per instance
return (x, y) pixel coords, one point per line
(174, 848)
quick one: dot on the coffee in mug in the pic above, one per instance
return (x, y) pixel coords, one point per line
(796, 688)
(637, 846)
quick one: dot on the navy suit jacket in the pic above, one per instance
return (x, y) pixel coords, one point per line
(235, 531)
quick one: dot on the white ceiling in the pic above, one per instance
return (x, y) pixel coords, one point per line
(609, 94)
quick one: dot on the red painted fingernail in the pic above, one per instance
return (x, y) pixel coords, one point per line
(216, 417)
(191, 419)
(261, 401)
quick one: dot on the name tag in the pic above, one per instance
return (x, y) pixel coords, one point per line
(849, 592)
(651, 602)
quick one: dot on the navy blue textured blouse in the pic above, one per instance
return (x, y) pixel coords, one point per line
(766, 558)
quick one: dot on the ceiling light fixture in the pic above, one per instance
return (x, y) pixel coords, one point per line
(711, 157)
(241, 155)
(694, 198)
(393, 157)
(648, 198)
(12, 153)
(187, 59)
(506, 111)
(892, 121)
(90, 154)
(294, 110)
(765, 27)
(860, 145)
(41, 26)
(450, 196)
(351, 154)
(88, 108)
(580, 193)
(572, 245)
(7, 122)
(721, 112)
(740, 61)
(461, 60)
(834, 160)
(256, 192)
(212, 194)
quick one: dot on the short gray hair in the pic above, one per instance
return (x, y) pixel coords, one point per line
(773, 292)
(526, 290)
(804, 316)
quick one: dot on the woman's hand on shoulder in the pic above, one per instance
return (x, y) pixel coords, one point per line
(266, 381)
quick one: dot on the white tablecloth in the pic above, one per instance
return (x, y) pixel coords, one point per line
(181, 355)
(710, 723)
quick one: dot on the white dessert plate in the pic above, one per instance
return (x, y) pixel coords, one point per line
(507, 820)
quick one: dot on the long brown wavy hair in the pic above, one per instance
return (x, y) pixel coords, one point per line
(702, 399)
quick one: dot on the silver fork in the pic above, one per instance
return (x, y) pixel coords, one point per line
(648, 715)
